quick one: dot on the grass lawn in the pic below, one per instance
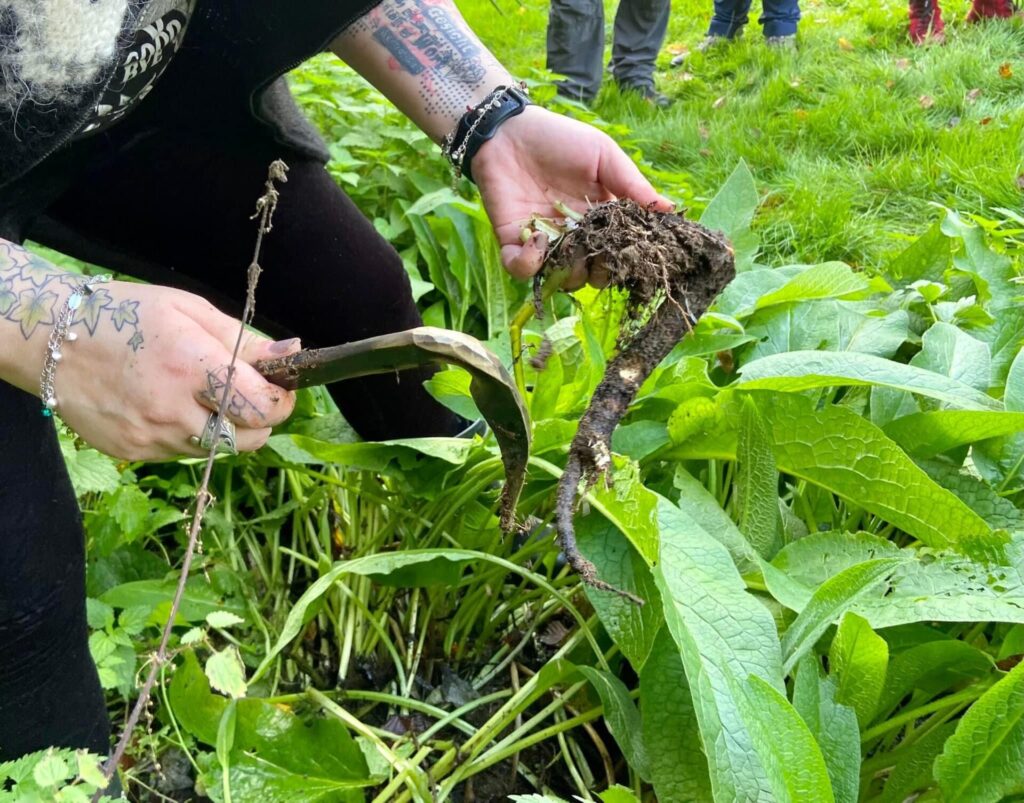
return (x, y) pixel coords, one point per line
(851, 137)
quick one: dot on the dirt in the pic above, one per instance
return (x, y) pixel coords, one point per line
(671, 269)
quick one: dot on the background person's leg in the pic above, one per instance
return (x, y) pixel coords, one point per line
(49, 691)
(640, 27)
(729, 18)
(576, 46)
(176, 209)
(780, 17)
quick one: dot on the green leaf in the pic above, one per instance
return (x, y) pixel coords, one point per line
(618, 794)
(451, 388)
(926, 258)
(223, 619)
(679, 768)
(226, 672)
(704, 509)
(805, 370)
(90, 471)
(947, 350)
(932, 433)
(991, 272)
(198, 602)
(621, 717)
(827, 280)
(52, 770)
(931, 669)
(723, 633)
(839, 450)
(997, 511)
(791, 757)
(632, 627)
(914, 771)
(943, 588)
(757, 483)
(857, 660)
(732, 210)
(983, 761)
(225, 741)
(833, 725)
(834, 597)
(276, 755)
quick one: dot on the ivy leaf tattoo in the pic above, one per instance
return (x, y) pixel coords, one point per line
(126, 314)
(12, 256)
(37, 272)
(35, 307)
(89, 310)
(136, 340)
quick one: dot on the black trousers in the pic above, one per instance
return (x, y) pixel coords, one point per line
(173, 207)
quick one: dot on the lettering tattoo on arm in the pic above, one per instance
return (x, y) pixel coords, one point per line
(238, 406)
(31, 293)
(429, 40)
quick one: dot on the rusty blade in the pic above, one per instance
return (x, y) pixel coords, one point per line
(492, 388)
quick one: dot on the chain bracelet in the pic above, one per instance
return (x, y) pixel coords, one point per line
(455, 154)
(58, 335)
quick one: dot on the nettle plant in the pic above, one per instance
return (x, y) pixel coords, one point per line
(817, 495)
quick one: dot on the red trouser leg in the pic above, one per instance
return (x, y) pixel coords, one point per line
(988, 9)
(925, 20)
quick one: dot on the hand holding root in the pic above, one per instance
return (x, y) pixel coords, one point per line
(671, 270)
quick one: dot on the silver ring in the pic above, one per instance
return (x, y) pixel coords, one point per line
(222, 431)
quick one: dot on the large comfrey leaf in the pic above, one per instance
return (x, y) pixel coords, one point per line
(678, 766)
(983, 761)
(724, 635)
(923, 587)
(932, 433)
(732, 210)
(763, 288)
(857, 661)
(757, 483)
(832, 724)
(804, 370)
(837, 449)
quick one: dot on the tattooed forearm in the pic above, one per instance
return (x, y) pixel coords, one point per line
(238, 405)
(429, 40)
(31, 290)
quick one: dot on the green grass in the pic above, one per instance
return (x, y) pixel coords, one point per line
(850, 138)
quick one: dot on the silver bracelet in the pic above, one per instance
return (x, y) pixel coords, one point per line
(59, 335)
(456, 152)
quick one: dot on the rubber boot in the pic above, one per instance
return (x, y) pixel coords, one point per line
(926, 22)
(990, 9)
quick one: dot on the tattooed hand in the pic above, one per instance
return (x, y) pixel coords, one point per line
(146, 367)
(539, 158)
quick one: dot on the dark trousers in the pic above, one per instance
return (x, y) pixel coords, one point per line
(576, 43)
(174, 208)
(778, 18)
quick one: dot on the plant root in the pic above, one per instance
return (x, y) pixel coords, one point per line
(671, 270)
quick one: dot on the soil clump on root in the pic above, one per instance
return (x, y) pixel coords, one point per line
(671, 269)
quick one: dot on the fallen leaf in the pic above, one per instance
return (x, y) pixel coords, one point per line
(706, 153)
(686, 76)
(845, 44)
(902, 64)
(677, 49)
(1020, 182)
(718, 104)
(984, 121)
(890, 84)
(926, 101)
(704, 132)
(973, 95)
(800, 114)
(795, 83)
(1005, 70)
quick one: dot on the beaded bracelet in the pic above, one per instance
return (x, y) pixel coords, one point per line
(59, 335)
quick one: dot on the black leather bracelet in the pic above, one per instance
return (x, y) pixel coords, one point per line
(481, 123)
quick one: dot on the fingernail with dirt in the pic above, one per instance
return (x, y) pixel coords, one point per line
(281, 347)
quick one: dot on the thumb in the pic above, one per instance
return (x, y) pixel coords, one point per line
(623, 179)
(261, 348)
